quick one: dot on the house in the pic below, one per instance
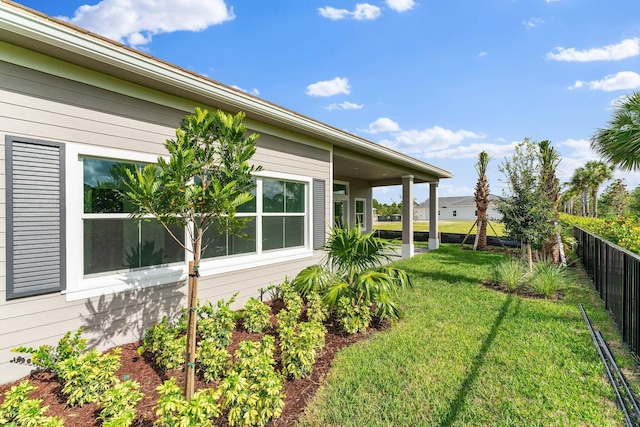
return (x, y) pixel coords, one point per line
(74, 105)
(457, 208)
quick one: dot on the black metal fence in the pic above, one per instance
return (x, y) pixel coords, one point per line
(615, 273)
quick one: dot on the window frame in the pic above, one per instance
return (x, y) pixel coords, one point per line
(363, 225)
(81, 287)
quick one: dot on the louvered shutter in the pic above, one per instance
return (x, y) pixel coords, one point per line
(319, 209)
(35, 217)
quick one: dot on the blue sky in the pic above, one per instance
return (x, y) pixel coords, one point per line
(437, 80)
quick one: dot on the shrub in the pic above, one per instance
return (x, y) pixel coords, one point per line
(167, 344)
(299, 346)
(173, 410)
(317, 311)
(213, 361)
(509, 273)
(118, 404)
(354, 318)
(87, 376)
(218, 323)
(47, 357)
(548, 279)
(19, 411)
(257, 316)
(252, 389)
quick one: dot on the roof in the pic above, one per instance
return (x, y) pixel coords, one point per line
(452, 202)
(43, 34)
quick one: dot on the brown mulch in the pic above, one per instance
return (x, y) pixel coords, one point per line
(523, 292)
(143, 369)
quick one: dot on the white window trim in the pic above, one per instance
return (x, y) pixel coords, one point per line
(80, 287)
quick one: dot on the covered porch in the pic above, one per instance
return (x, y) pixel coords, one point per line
(356, 173)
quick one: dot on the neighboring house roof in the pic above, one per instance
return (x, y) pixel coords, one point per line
(43, 34)
(452, 202)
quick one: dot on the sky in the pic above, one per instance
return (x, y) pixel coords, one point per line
(438, 80)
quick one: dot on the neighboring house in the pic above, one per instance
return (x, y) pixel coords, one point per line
(457, 208)
(75, 104)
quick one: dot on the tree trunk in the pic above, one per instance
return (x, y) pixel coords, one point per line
(482, 232)
(529, 257)
(190, 366)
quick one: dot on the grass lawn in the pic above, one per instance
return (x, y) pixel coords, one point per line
(444, 226)
(466, 355)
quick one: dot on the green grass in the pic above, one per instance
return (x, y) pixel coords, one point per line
(444, 226)
(465, 355)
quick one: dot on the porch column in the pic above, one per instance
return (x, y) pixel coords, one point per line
(407, 216)
(434, 237)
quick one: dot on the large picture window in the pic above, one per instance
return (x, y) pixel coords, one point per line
(112, 240)
(283, 215)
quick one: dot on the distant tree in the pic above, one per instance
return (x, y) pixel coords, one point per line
(634, 201)
(481, 195)
(550, 188)
(614, 200)
(596, 174)
(619, 142)
(526, 210)
(579, 185)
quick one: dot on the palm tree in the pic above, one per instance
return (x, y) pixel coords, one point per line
(596, 173)
(619, 143)
(579, 186)
(482, 199)
(550, 186)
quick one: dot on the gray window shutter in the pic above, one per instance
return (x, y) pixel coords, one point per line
(319, 209)
(35, 217)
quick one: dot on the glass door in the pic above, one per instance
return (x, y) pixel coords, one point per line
(339, 214)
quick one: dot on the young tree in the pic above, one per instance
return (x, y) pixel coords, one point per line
(619, 143)
(200, 187)
(526, 211)
(550, 187)
(482, 199)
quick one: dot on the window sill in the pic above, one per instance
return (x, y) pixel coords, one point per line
(243, 262)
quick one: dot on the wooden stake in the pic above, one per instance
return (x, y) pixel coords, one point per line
(190, 367)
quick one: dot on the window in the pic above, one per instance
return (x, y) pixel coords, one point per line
(283, 214)
(454, 213)
(111, 240)
(340, 189)
(360, 213)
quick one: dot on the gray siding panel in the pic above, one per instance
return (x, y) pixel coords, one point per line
(35, 214)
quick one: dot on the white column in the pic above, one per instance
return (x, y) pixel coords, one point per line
(434, 237)
(407, 216)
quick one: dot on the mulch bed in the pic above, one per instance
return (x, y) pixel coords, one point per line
(143, 369)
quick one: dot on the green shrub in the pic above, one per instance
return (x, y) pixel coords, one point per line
(510, 273)
(257, 316)
(167, 344)
(173, 410)
(213, 361)
(317, 311)
(354, 318)
(86, 377)
(548, 279)
(218, 323)
(299, 346)
(118, 404)
(623, 231)
(47, 357)
(18, 410)
(252, 389)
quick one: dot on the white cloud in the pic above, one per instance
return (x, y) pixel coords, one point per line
(471, 151)
(613, 52)
(551, 1)
(135, 22)
(621, 81)
(253, 91)
(383, 124)
(401, 5)
(329, 87)
(362, 11)
(481, 54)
(429, 141)
(344, 106)
(532, 23)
